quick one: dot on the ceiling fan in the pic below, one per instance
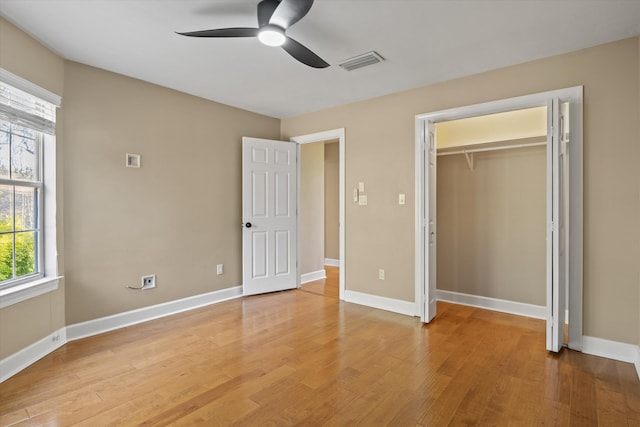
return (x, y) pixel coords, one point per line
(274, 18)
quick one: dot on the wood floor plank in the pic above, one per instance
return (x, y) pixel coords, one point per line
(306, 358)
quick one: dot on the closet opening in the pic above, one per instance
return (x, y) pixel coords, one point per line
(491, 213)
(499, 210)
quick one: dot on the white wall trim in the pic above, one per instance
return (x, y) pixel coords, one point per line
(495, 304)
(18, 361)
(382, 303)
(314, 275)
(25, 291)
(610, 349)
(638, 362)
(332, 262)
(129, 318)
(29, 87)
(11, 365)
(575, 96)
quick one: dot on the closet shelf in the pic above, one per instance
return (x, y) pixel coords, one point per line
(468, 150)
(493, 146)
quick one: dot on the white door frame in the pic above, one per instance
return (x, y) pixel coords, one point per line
(338, 134)
(574, 97)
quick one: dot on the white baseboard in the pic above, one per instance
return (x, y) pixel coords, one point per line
(638, 362)
(314, 275)
(332, 262)
(128, 318)
(504, 306)
(382, 303)
(15, 363)
(610, 349)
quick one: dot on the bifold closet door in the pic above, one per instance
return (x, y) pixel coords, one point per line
(556, 275)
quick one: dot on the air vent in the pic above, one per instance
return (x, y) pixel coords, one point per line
(360, 61)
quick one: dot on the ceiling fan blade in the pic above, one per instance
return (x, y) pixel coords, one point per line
(289, 12)
(265, 11)
(223, 32)
(303, 54)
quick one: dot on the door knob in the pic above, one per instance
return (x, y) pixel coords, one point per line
(248, 225)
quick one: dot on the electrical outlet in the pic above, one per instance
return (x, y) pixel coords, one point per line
(149, 281)
(220, 269)
(381, 274)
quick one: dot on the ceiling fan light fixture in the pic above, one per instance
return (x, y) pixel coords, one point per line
(272, 35)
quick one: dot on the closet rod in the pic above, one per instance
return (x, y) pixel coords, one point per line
(504, 147)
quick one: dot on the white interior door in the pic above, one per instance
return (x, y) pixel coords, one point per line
(269, 216)
(556, 229)
(430, 223)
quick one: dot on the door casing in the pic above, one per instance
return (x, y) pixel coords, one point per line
(572, 95)
(328, 135)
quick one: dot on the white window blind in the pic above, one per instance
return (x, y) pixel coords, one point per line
(23, 103)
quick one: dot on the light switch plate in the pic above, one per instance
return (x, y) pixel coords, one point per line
(355, 195)
(362, 200)
(401, 199)
(361, 187)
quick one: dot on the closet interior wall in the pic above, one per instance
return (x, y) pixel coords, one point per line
(491, 223)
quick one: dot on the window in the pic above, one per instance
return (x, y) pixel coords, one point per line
(28, 264)
(20, 202)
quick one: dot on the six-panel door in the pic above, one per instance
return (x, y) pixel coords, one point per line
(269, 204)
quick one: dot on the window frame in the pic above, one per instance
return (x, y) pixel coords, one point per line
(39, 186)
(47, 279)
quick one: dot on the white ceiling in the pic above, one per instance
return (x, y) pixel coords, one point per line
(424, 41)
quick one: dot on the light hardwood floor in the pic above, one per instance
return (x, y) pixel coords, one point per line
(327, 287)
(301, 358)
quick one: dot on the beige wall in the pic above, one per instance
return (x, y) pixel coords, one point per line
(492, 225)
(25, 57)
(380, 151)
(332, 200)
(176, 217)
(311, 207)
(27, 322)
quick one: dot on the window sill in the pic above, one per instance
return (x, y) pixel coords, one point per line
(28, 290)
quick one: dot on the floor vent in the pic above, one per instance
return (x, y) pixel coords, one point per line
(360, 61)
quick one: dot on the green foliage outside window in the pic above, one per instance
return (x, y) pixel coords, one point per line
(25, 259)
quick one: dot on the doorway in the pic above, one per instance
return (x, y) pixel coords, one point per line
(564, 245)
(336, 136)
(319, 210)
